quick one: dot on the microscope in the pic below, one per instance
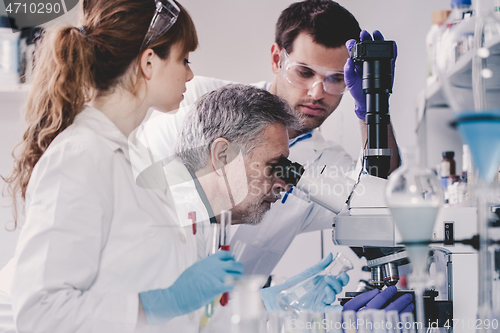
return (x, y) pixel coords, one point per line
(363, 220)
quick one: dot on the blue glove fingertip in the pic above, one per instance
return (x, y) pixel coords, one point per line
(235, 268)
(329, 295)
(409, 308)
(391, 289)
(361, 300)
(377, 35)
(344, 279)
(330, 308)
(365, 36)
(325, 261)
(350, 44)
(223, 255)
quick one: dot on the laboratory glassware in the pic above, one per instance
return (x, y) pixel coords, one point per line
(225, 223)
(392, 321)
(414, 197)
(364, 321)
(349, 321)
(334, 321)
(304, 294)
(408, 324)
(472, 89)
(214, 246)
(248, 313)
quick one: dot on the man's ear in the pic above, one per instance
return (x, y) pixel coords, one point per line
(219, 154)
(275, 58)
(146, 63)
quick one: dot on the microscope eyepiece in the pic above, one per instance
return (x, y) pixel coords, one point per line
(290, 172)
(376, 59)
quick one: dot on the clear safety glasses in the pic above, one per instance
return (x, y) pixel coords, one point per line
(307, 76)
(165, 15)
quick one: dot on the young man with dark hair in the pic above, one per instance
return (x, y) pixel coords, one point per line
(310, 60)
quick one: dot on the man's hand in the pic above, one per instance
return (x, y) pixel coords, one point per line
(374, 299)
(353, 73)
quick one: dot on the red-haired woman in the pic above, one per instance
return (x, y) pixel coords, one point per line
(98, 253)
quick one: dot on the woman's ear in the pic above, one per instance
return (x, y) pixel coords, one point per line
(146, 63)
(275, 58)
(219, 154)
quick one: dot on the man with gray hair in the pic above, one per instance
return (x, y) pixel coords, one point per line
(231, 141)
(227, 154)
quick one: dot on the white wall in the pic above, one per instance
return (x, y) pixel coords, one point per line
(235, 40)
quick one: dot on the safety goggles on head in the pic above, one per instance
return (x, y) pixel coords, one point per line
(307, 76)
(165, 15)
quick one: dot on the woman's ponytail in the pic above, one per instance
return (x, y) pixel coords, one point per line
(62, 84)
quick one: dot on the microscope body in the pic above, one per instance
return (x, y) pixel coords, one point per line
(363, 221)
(366, 226)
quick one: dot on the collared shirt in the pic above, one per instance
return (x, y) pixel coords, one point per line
(299, 138)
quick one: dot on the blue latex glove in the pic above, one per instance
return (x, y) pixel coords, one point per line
(333, 287)
(374, 299)
(197, 286)
(353, 73)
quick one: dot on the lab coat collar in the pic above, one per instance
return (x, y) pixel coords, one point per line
(103, 126)
(319, 141)
(300, 137)
(313, 137)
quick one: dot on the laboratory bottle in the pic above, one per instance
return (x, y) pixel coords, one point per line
(9, 53)
(306, 294)
(29, 40)
(447, 49)
(433, 38)
(448, 164)
(446, 169)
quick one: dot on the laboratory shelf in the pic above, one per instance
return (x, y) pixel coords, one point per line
(460, 74)
(434, 96)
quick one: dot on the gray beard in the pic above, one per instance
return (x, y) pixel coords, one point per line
(254, 214)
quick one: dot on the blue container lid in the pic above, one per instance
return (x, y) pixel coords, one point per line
(460, 2)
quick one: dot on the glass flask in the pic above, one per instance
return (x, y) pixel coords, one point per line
(303, 295)
(414, 197)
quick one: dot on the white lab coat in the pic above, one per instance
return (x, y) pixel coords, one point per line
(93, 239)
(6, 318)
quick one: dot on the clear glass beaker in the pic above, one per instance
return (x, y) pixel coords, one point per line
(303, 295)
